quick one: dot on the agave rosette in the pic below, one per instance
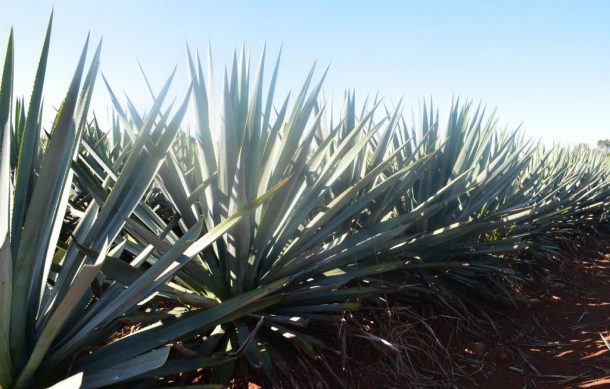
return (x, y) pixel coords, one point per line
(304, 245)
(50, 312)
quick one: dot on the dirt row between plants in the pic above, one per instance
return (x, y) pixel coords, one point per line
(556, 340)
(555, 337)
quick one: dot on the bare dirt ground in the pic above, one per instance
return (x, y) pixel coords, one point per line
(553, 338)
(557, 339)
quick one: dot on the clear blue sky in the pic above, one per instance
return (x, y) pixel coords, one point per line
(543, 63)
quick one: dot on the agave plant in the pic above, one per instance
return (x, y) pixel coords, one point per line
(56, 295)
(38, 204)
(567, 190)
(297, 258)
(455, 205)
(514, 200)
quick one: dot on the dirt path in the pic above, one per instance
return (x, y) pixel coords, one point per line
(557, 342)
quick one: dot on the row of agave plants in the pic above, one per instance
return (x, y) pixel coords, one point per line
(232, 241)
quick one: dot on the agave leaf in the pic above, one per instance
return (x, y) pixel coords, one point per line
(6, 87)
(6, 262)
(81, 284)
(128, 369)
(72, 382)
(29, 146)
(40, 219)
(137, 291)
(176, 329)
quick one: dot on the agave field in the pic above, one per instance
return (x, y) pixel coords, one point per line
(132, 253)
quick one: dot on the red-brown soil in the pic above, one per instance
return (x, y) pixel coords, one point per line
(552, 338)
(555, 340)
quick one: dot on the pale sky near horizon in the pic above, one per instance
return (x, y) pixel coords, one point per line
(545, 63)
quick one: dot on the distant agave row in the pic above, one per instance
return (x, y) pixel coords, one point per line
(232, 243)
